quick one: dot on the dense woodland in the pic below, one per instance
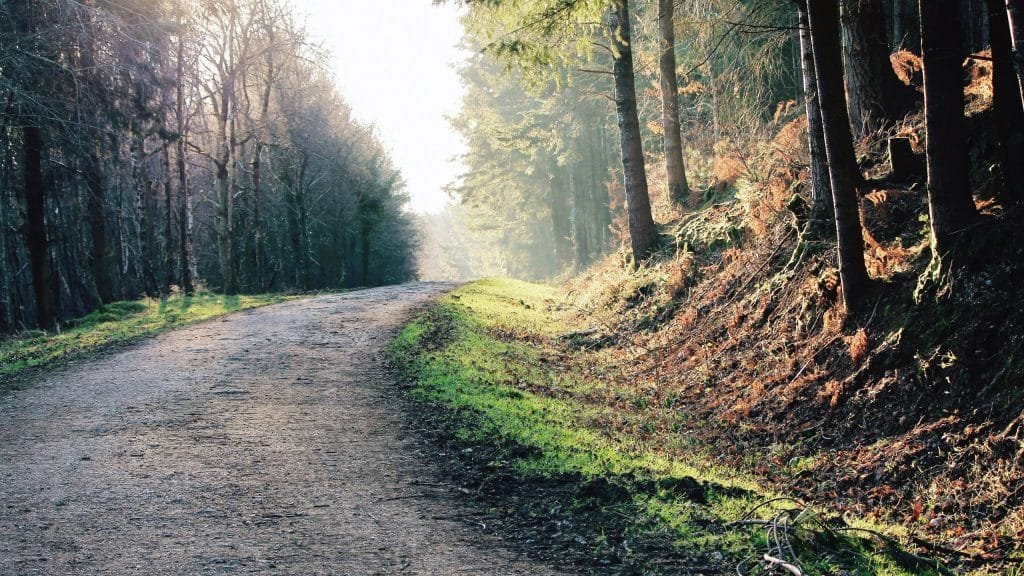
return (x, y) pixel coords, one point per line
(811, 216)
(787, 232)
(152, 146)
(589, 121)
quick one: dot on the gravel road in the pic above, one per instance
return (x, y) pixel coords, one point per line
(266, 442)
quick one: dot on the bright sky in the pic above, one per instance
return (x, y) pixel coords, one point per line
(393, 62)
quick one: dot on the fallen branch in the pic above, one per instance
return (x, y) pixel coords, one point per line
(792, 569)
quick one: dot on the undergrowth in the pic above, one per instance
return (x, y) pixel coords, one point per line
(726, 361)
(116, 324)
(547, 435)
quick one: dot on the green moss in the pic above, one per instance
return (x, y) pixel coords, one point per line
(118, 323)
(482, 356)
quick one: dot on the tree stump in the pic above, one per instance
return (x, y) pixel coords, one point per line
(904, 164)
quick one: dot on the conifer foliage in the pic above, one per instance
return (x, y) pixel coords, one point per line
(714, 85)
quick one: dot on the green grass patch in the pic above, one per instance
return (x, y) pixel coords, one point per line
(489, 361)
(116, 324)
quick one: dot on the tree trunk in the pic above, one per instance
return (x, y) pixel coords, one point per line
(561, 230)
(844, 175)
(1015, 14)
(580, 226)
(906, 31)
(675, 171)
(146, 210)
(600, 211)
(225, 194)
(168, 222)
(875, 95)
(15, 312)
(365, 229)
(642, 231)
(822, 212)
(125, 286)
(1009, 110)
(184, 223)
(298, 222)
(303, 218)
(6, 214)
(96, 207)
(262, 139)
(950, 205)
(257, 167)
(43, 279)
(184, 202)
(225, 230)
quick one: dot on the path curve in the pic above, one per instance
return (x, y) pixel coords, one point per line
(266, 442)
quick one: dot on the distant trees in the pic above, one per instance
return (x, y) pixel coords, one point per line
(735, 73)
(551, 33)
(539, 169)
(577, 50)
(150, 145)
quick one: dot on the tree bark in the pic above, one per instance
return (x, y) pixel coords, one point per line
(1015, 14)
(262, 138)
(642, 231)
(950, 205)
(225, 112)
(43, 279)
(580, 226)
(96, 208)
(226, 229)
(184, 201)
(257, 177)
(6, 214)
(906, 31)
(844, 175)
(558, 204)
(1008, 104)
(875, 95)
(168, 221)
(298, 219)
(675, 170)
(822, 210)
(146, 212)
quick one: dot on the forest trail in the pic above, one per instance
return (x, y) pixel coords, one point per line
(266, 442)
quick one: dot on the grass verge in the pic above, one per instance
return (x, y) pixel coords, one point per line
(117, 324)
(496, 374)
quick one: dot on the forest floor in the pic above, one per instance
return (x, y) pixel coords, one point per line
(265, 442)
(547, 427)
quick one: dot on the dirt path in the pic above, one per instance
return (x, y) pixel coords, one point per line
(262, 443)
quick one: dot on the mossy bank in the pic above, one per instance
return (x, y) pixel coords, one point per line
(510, 387)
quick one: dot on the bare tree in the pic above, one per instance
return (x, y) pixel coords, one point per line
(185, 257)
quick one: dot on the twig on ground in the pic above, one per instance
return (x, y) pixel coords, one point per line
(792, 569)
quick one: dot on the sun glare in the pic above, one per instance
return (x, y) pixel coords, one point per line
(394, 61)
